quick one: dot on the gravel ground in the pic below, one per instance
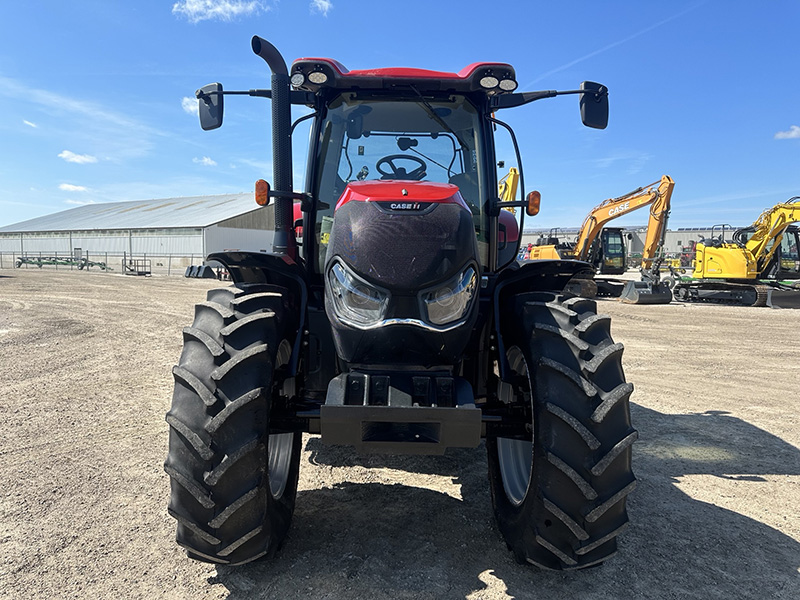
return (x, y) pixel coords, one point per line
(85, 381)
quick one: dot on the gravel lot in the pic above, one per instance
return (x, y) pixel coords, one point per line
(85, 381)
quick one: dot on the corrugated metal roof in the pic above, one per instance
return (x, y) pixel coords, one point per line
(195, 211)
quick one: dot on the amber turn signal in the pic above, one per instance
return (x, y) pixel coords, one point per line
(262, 192)
(534, 199)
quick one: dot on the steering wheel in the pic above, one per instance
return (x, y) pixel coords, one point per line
(399, 172)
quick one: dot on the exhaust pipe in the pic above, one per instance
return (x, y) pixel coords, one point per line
(283, 241)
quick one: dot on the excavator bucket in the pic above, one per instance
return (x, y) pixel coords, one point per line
(645, 292)
(788, 297)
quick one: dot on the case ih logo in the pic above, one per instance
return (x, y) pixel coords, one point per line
(619, 209)
(405, 206)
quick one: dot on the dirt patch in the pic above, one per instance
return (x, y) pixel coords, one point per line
(85, 382)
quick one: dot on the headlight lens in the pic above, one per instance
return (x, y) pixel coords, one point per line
(317, 77)
(355, 300)
(451, 301)
(489, 81)
(298, 79)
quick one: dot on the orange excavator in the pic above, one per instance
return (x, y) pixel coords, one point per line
(604, 247)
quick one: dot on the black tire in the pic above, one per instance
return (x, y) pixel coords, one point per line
(560, 500)
(233, 485)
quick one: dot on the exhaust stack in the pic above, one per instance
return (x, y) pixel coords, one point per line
(281, 145)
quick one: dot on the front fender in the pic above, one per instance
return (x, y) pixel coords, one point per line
(275, 269)
(531, 276)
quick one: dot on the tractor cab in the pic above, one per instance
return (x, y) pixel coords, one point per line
(378, 127)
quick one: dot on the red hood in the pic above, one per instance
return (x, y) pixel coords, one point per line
(401, 191)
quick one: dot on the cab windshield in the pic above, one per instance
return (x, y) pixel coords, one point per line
(364, 137)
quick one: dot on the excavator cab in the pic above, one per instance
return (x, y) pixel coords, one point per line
(790, 254)
(607, 254)
(785, 261)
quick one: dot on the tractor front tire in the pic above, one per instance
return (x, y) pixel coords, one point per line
(559, 499)
(233, 482)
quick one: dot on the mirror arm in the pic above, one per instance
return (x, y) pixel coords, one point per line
(510, 204)
(295, 96)
(306, 199)
(512, 100)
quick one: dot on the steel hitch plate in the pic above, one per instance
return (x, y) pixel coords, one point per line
(400, 413)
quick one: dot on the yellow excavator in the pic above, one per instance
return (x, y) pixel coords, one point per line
(604, 247)
(507, 188)
(751, 269)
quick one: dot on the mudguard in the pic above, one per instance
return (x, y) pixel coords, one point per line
(532, 276)
(275, 269)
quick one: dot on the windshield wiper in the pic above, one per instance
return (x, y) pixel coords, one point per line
(436, 117)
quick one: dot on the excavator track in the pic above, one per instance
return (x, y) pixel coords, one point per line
(717, 292)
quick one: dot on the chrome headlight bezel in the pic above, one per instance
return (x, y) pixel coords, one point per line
(355, 301)
(450, 302)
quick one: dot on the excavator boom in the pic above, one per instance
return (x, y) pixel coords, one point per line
(771, 225)
(658, 195)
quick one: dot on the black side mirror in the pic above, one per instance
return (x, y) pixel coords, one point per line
(209, 98)
(594, 105)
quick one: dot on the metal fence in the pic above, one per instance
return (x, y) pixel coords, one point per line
(101, 262)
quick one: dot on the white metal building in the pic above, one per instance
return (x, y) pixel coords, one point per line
(674, 240)
(193, 226)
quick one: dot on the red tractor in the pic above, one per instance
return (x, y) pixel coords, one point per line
(400, 322)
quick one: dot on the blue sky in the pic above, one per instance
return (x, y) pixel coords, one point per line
(707, 91)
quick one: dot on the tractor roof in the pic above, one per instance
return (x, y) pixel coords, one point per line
(313, 74)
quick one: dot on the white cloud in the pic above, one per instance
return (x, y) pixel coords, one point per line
(190, 105)
(321, 6)
(68, 187)
(631, 161)
(80, 159)
(205, 161)
(793, 133)
(223, 10)
(29, 124)
(114, 134)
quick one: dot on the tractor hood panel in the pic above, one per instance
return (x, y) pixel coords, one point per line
(401, 195)
(407, 243)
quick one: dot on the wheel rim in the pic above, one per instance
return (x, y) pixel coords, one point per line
(280, 459)
(515, 457)
(280, 445)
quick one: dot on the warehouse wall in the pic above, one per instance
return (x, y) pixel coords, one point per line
(136, 242)
(218, 238)
(260, 218)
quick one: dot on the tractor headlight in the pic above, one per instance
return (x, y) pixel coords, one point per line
(298, 79)
(451, 301)
(354, 300)
(508, 85)
(318, 77)
(489, 81)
